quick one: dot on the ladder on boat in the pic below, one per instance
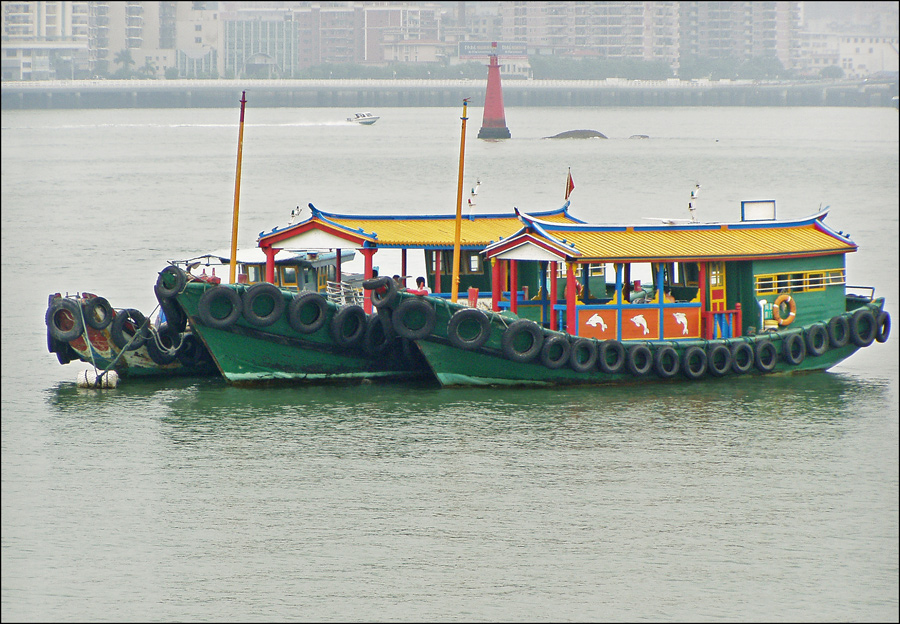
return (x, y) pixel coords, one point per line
(342, 293)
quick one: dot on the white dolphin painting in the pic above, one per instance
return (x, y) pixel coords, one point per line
(640, 321)
(595, 320)
(681, 319)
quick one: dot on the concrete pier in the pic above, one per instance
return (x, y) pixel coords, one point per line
(444, 93)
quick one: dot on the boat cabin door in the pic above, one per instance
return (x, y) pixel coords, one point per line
(717, 287)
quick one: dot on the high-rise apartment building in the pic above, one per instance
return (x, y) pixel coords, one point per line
(646, 31)
(42, 40)
(80, 39)
(741, 30)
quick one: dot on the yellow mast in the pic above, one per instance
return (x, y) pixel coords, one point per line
(462, 152)
(237, 193)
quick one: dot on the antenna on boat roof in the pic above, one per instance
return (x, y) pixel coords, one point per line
(694, 196)
(474, 194)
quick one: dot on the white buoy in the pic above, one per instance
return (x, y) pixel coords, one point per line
(88, 379)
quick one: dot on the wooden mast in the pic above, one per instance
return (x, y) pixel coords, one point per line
(454, 292)
(237, 194)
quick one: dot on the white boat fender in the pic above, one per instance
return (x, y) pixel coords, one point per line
(90, 379)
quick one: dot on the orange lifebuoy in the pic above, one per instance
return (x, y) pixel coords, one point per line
(776, 310)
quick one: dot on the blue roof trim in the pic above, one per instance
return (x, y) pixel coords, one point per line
(334, 215)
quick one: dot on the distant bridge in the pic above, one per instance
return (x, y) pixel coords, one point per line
(398, 93)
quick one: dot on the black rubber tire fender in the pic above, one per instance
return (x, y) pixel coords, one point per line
(666, 362)
(117, 329)
(348, 326)
(765, 356)
(743, 357)
(555, 351)
(384, 291)
(175, 316)
(405, 315)
(839, 331)
(98, 307)
(212, 298)
(882, 326)
(461, 321)
(612, 348)
(297, 312)
(793, 349)
(263, 290)
(695, 363)
(718, 360)
(863, 328)
(379, 336)
(510, 337)
(639, 360)
(60, 314)
(583, 357)
(171, 281)
(169, 339)
(817, 339)
(192, 352)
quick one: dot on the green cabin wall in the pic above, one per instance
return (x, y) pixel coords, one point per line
(812, 306)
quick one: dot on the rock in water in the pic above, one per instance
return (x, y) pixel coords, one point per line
(578, 134)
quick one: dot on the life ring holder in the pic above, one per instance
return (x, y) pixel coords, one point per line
(792, 307)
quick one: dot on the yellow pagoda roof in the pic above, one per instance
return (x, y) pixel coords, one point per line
(694, 241)
(406, 231)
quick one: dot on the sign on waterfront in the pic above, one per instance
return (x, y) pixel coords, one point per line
(480, 49)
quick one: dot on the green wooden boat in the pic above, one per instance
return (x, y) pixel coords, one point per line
(756, 297)
(262, 333)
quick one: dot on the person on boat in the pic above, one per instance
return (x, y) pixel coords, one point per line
(400, 286)
(421, 287)
(667, 295)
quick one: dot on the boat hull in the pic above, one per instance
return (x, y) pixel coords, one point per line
(246, 354)
(455, 367)
(98, 348)
(492, 364)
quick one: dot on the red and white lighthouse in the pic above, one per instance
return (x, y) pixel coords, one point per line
(493, 125)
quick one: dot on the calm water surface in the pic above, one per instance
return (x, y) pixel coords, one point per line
(772, 499)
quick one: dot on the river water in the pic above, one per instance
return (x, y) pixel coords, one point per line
(751, 499)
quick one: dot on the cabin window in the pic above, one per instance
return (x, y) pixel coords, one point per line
(289, 277)
(815, 281)
(773, 284)
(470, 262)
(765, 284)
(689, 273)
(835, 277)
(255, 273)
(716, 273)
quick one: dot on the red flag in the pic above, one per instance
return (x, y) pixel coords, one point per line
(569, 185)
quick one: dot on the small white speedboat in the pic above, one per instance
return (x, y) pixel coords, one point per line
(366, 119)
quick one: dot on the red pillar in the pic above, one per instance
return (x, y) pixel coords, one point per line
(270, 263)
(571, 292)
(553, 296)
(337, 265)
(496, 283)
(705, 326)
(493, 125)
(367, 294)
(513, 286)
